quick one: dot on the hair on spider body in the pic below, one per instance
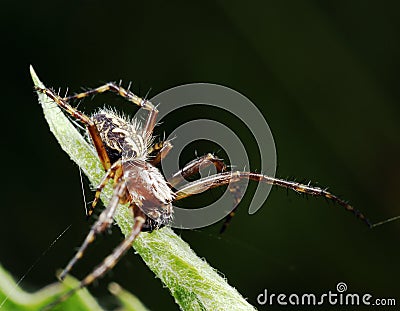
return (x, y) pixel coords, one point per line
(122, 137)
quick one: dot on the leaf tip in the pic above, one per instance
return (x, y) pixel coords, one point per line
(35, 78)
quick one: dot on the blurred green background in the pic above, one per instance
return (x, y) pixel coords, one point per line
(324, 75)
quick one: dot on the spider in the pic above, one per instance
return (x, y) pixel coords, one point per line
(129, 158)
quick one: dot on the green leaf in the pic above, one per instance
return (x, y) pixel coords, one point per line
(14, 298)
(128, 301)
(194, 284)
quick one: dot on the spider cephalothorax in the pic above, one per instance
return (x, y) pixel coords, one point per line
(124, 147)
(121, 136)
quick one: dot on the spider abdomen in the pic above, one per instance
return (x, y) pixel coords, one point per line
(149, 190)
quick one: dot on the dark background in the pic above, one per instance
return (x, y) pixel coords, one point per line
(325, 76)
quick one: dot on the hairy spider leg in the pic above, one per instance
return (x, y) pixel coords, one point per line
(116, 167)
(105, 219)
(111, 260)
(128, 95)
(91, 126)
(224, 178)
(193, 167)
(159, 151)
(235, 190)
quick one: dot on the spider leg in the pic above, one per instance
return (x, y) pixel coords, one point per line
(159, 151)
(111, 260)
(104, 222)
(225, 178)
(92, 129)
(128, 95)
(193, 167)
(115, 171)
